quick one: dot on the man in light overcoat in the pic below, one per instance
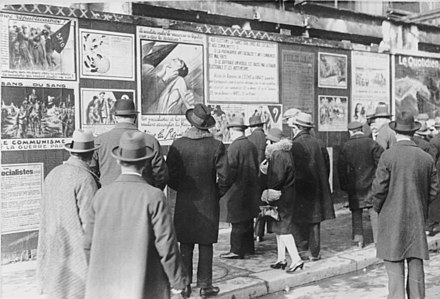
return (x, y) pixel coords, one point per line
(129, 234)
(198, 168)
(405, 183)
(243, 198)
(68, 192)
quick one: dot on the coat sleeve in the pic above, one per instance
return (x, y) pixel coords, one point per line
(84, 195)
(380, 186)
(434, 184)
(166, 243)
(233, 162)
(276, 172)
(175, 168)
(342, 170)
(94, 164)
(159, 167)
(89, 227)
(222, 167)
(376, 152)
(326, 157)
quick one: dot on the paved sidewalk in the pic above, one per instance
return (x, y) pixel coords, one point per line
(250, 277)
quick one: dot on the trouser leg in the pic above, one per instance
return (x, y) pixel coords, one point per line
(281, 250)
(374, 221)
(186, 250)
(248, 237)
(242, 237)
(396, 279)
(204, 269)
(315, 239)
(300, 233)
(415, 286)
(289, 243)
(357, 225)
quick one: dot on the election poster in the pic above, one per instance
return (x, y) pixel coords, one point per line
(21, 193)
(417, 84)
(370, 83)
(270, 115)
(106, 55)
(332, 70)
(98, 108)
(242, 71)
(37, 47)
(37, 115)
(333, 113)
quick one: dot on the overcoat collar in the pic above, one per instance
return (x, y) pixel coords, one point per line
(194, 133)
(301, 134)
(239, 138)
(405, 143)
(131, 178)
(359, 136)
(75, 162)
(258, 129)
(125, 126)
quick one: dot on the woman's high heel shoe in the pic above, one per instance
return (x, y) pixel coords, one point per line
(293, 268)
(279, 265)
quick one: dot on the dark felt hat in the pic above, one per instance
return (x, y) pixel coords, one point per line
(354, 125)
(200, 117)
(255, 120)
(133, 147)
(405, 123)
(275, 135)
(236, 122)
(125, 108)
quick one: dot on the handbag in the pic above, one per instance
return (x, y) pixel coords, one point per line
(269, 211)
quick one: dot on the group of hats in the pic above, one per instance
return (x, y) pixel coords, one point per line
(133, 146)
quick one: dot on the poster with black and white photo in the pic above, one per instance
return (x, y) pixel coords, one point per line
(37, 47)
(37, 115)
(106, 55)
(332, 70)
(333, 113)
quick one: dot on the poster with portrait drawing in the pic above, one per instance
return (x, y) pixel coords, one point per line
(37, 115)
(333, 113)
(98, 108)
(106, 55)
(37, 47)
(332, 70)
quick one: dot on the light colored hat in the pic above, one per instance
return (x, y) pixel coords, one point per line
(424, 130)
(133, 147)
(292, 112)
(274, 135)
(422, 117)
(304, 120)
(354, 125)
(236, 122)
(82, 142)
(381, 111)
(255, 121)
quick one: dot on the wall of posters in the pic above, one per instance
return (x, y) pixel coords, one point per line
(370, 83)
(37, 47)
(416, 85)
(37, 115)
(106, 55)
(333, 113)
(270, 115)
(21, 192)
(297, 79)
(332, 70)
(97, 108)
(242, 70)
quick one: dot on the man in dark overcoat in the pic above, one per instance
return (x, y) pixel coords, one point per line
(357, 164)
(198, 168)
(433, 222)
(104, 164)
(129, 233)
(405, 183)
(243, 198)
(258, 138)
(313, 201)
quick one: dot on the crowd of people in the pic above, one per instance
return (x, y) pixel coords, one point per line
(107, 229)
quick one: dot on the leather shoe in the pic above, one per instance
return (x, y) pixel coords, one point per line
(279, 265)
(209, 291)
(231, 256)
(314, 258)
(186, 293)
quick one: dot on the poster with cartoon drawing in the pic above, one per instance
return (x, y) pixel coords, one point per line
(106, 55)
(332, 70)
(37, 47)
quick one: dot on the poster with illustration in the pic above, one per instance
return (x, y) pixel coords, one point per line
(332, 70)
(36, 115)
(333, 113)
(106, 55)
(98, 108)
(370, 83)
(417, 84)
(37, 47)
(270, 116)
(171, 71)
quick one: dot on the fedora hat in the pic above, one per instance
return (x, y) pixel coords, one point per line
(133, 147)
(275, 135)
(381, 111)
(424, 130)
(405, 123)
(304, 120)
(82, 142)
(236, 122)
(125, 108)
(255, 120)
(200, 117)
(354, 125)
(292, 112)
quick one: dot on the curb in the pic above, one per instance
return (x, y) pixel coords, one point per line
(271, 281)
